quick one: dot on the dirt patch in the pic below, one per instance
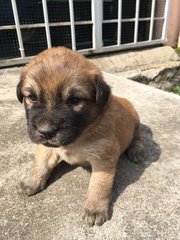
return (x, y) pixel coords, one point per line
(167, 80)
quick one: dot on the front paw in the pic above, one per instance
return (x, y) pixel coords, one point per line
(94, 217)
(30, 187)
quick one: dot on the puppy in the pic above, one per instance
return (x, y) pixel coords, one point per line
(71, 115)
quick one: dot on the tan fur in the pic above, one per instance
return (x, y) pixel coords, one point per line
(100, 144)
(36, 74)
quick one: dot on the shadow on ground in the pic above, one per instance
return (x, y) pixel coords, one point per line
(61, 169)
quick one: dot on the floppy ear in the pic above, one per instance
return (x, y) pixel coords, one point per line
(102, 90)
(18, 92)
(19, 87)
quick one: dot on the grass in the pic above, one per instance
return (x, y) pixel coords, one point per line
(177, 50)
(176, 90)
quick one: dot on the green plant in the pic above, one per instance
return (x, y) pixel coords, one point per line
(177, 50)
(176, 90)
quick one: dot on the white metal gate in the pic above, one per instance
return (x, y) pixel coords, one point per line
(90, 26)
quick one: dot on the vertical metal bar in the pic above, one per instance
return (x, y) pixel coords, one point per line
(152, 20)
(166, 16)
(18, 30)
(46, 20)
(97, 18)
(136, 21)
(73, 36)
(119, 22)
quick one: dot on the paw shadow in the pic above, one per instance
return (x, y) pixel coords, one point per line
(128, 172)
(61, 169)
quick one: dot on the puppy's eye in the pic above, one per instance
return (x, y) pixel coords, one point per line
(32, 98)
(73, 100)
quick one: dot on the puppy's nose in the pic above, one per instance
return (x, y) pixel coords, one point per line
(47, 131)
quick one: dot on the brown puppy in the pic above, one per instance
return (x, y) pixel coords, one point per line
(71, 115)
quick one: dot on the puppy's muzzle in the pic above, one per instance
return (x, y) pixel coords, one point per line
(47, 131)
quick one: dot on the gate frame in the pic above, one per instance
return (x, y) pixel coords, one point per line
(97, 23)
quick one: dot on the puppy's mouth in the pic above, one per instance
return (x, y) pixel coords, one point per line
(62, 138)
(50, 143)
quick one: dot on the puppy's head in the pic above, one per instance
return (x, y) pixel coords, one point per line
(63, 93)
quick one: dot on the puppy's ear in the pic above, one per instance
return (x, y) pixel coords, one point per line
(102, 90)
(19, 87)
(18, 92)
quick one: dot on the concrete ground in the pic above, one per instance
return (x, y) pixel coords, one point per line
(146, 197)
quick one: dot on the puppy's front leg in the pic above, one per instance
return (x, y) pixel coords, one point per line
(99, 193)
(45, 161)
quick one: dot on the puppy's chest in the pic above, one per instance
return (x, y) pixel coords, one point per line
(73, 155)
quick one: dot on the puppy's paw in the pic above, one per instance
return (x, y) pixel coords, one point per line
(94, 217)
(136, 152)
(30, 187)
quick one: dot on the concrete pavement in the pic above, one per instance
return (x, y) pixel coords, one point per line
(146, 197)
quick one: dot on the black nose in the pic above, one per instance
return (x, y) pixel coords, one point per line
(47, 131)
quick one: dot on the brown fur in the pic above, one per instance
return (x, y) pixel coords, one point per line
(114, 127)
